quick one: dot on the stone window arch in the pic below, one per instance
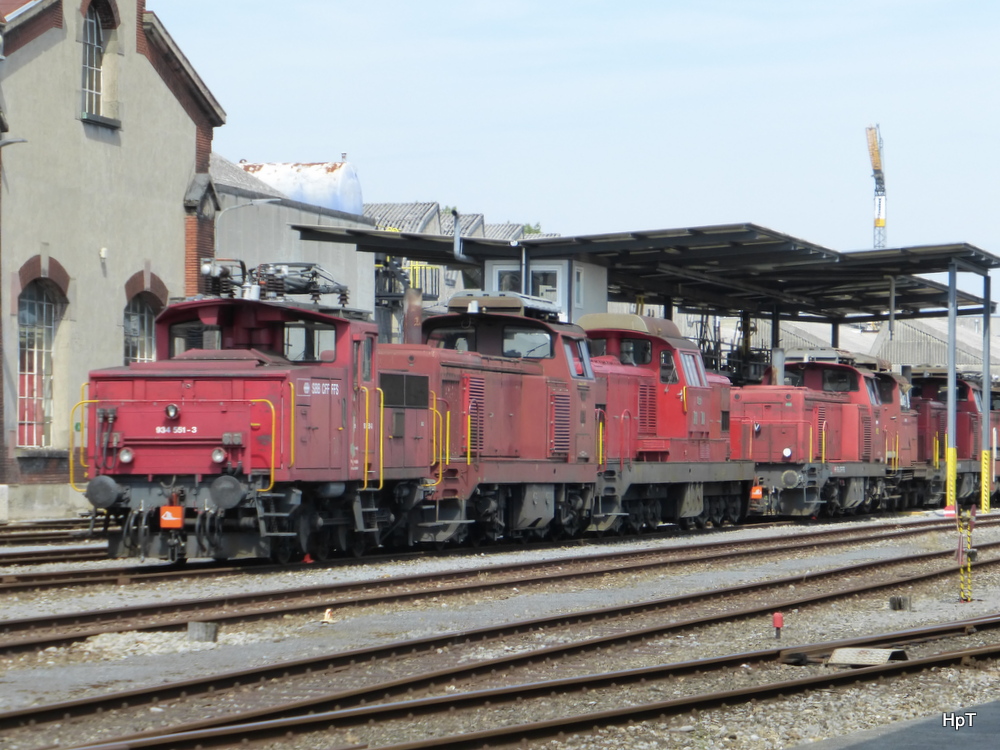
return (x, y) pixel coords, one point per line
(140, 341)
(40, 307)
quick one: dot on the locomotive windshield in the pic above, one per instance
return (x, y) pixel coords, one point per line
(306, 341)
(296, 341)
(530, 343)
(459, 339)
(194, 334)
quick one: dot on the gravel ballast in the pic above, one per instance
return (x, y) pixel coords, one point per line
(120, 661)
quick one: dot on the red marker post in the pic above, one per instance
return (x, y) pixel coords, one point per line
(779, 623)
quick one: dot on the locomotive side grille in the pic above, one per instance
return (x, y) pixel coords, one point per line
(647, 410)
(943, 434)
(559, 419)
(475, 394)
(866, 437)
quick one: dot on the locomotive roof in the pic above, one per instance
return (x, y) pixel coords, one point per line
(292, 310)
(661, 328)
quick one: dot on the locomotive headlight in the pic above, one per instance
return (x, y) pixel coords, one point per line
(787, 453)
(173, 411)
(125, 455)
(219, 455)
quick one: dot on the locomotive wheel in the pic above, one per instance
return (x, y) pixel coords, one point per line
(357, 545)
(321, 545)
(281, 552)
(716, 511)
(733, 510)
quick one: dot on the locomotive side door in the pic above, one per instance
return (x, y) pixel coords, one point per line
(363, 424)
(319, 426)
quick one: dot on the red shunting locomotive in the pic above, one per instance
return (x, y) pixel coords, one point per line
(276, 428)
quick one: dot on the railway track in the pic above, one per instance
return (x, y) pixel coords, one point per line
(90, 552)
(14, 582)
(396, 697)
(42, 632)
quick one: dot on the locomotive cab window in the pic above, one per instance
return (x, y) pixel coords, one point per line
(635, 352)
(457, 339)
(304, 342)
(363, 355)
(839, 381)
(694, 370)
(795, 378)
(886, 391)
(872, 389)
(194, 335)
(578, 357)
(529, 343)
(668, 368)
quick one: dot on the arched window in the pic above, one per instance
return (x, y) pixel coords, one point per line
(38, 314)
(140, 345)
(93, 61)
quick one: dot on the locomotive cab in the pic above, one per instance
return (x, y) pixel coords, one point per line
(664, 418)
(816, 438)
(223, 447)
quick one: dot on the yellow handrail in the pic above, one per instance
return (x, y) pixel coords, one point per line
(435, 458)
(811, 454)
(72, 442)
(468, 435)
(822, 442)
(601, 417)
(381, 437)
(937, 449)
(368, 423)
(83, 455)
(291, 427)
(274, 429)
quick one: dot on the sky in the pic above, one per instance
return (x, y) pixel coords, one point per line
(590, 116)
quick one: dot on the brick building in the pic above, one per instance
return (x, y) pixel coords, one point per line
(106, 205)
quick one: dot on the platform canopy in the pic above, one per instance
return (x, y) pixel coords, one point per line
(725, 270)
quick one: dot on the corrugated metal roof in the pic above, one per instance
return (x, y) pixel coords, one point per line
(507, 231)
(472, 224)
(725, 269)
(403, 217)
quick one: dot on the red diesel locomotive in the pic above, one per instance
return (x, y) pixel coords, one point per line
(269, 428)
(272, 428)
(842, 436)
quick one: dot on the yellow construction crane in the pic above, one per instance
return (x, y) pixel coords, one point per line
(875, 152)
